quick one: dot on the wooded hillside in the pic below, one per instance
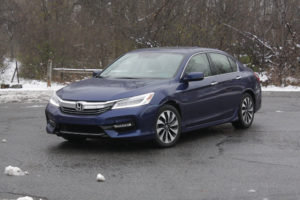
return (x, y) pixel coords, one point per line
(74, 33)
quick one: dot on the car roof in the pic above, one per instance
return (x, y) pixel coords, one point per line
(182, 50)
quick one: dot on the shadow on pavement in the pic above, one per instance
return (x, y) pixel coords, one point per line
(109, 145)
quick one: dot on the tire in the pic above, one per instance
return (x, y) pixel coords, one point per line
(245, 112)
(167, 126)
(74, 139)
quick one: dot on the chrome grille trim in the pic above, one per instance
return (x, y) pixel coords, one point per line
(87, 105)
(88, 108)
(84, 111)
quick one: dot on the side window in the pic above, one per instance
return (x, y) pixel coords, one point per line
(233, 64)
(199, 63)
(221, 63)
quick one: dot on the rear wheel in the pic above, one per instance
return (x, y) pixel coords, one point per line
(245, 113)
(168, 126)
(74, 139)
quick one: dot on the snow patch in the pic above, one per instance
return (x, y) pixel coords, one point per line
(14, 171)
(16, 96)
(7, 72)
(272, 88)
(263, 76)
(292, 80)
(35, 106)
(27, 84)
(100, 178)
(25, 198)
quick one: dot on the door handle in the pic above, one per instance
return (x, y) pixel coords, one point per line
(214, 83)
(238, 77)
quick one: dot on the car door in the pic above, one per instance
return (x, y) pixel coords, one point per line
(200, 101)
(228, 78)
(237, 79)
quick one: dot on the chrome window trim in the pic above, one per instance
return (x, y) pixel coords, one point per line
(191, 58)
(238, 69)
(189, 61)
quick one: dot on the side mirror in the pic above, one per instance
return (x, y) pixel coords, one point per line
(96, 73)
(194, 76)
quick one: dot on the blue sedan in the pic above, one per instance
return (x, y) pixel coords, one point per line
(157, 94)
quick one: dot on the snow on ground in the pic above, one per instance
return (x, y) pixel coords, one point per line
(292, 80)
(263, 76)
(35, 85)
(100, 178)
(33, 91)
(28, 85)
(272, 88)
(21, 96)
(25, 198)
(14, 171)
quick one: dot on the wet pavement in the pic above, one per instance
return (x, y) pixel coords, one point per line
(220, 162)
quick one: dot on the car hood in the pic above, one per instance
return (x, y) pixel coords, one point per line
(102, 89)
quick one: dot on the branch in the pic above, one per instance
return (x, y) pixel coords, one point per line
(251, 36)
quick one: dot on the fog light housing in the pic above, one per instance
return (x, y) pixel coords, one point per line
(126, 125)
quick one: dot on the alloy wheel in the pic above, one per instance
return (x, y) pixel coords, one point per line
(167, 127)
(247, 110)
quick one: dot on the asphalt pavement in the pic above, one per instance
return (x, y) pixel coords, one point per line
(217, 163)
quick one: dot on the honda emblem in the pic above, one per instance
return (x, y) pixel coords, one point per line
(79, 106)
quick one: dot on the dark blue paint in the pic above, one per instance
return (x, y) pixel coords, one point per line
(201, 104)
(193, 76)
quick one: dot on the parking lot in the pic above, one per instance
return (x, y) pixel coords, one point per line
(220, 162)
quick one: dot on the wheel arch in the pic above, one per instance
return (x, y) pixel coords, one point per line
(174, 104)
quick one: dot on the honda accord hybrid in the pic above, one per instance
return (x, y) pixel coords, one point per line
(158, 94)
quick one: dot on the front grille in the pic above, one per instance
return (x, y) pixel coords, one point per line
(73, 111)
(83, 129)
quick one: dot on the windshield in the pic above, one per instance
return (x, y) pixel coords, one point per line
(144, 65)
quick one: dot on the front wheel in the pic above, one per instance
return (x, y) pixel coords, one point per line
(168, 126)
(245, 113)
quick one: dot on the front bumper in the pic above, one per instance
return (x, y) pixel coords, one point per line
(138, 122)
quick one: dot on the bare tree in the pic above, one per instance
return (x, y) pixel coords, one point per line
(92, 33)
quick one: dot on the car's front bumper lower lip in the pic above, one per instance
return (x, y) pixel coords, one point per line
(119, 123)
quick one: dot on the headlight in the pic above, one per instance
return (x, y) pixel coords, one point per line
(134, 101)
(55, 100)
